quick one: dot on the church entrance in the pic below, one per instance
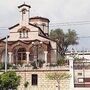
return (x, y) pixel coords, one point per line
(20, 56)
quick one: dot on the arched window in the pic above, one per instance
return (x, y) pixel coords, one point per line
(20, 34)
(24, 11)
(27, 34)
(43, 26)
(23, 32)
(21, 54)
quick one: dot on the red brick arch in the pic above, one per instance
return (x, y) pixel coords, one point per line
(43, 46)
(18, 45)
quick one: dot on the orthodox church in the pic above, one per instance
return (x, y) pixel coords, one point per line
(29, 40)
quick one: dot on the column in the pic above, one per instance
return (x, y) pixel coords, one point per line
(27, 56)
(55, 57)
(71, 73)
(45, 58)
(10, 57)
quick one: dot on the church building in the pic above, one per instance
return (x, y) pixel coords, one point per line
(29, 40)
(29, 43)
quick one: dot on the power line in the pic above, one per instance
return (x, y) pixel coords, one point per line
(61, 24)
(70, 23)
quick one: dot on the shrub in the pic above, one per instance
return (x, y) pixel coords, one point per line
(26, 84)
(34, 65)
(53, 65)
(61, 61)
(9, 80)
(40, 63)
(37, 64)
(2, 66)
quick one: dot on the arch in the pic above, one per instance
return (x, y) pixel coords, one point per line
(36, 51)
(23, 32)
(24, 10)
(43, 45)
(24, 28)
(29, 47)
(19, 55)
(18, 45)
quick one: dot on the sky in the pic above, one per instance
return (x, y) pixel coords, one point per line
(64, 14)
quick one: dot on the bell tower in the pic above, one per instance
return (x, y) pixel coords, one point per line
(24, 10)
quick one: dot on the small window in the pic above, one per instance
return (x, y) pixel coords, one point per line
(27, 34)
(34, 79)
(24, 11)
(20, 34)
(79, 74)
(23, 34)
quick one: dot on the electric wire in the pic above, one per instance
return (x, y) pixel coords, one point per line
(52, 25)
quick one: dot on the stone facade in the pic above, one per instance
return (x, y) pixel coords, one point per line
(43, 82)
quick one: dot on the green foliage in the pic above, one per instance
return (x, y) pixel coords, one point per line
(37, 64)
(61, 61)
(57, 76)
(2, 66)
(63, 39)
(34, 65)
(26, 84)
(40, 63)
(53, 65)
(9, 80)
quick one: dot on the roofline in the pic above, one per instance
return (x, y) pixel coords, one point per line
(47, 38)
(2, 39)
(24, 5)
(37, 17)
(14, 26)
(13, 42)
(29, 24)
(38, 28)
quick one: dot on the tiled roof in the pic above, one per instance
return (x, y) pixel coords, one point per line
(38, 17)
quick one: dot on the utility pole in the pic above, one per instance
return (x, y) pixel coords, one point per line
(6, 55)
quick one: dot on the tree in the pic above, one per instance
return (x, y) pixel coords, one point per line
(9, 80)
(58, 77)
(64, 40)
